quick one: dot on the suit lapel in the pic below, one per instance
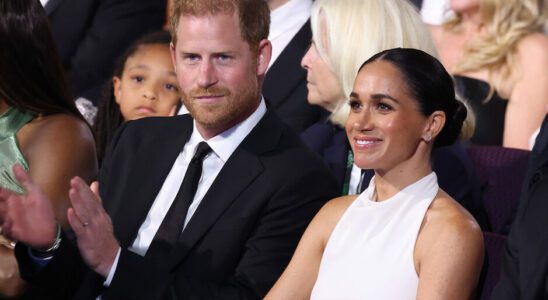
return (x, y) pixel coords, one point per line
(286, 72)
(540, 150)
(52, 5)
(153, 162)
(237, 174)
(336, 155)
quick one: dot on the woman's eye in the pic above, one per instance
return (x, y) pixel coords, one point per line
(354, 105)
(384, 106)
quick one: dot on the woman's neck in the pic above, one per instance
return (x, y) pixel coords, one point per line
(389, 183)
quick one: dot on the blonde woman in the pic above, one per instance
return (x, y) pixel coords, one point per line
(499, 55)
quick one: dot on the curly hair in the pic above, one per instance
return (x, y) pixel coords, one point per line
(505, 23)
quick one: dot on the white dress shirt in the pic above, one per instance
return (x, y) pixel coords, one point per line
(355, 179)
(285, 22)
(222, 145)
(44, 2)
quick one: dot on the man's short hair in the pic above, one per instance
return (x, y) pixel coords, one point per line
(254, 16)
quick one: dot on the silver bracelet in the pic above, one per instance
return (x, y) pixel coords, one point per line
(56, 242)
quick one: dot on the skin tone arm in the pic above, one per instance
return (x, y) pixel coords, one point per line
(300, 275)
(57, 148)
(529, 95)
(448, 252)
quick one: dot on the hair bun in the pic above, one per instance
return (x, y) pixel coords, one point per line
(453, 125)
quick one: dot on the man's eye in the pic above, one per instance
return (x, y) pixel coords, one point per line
(190, 58)
(223, 58)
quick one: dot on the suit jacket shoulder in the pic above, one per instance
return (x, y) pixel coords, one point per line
(285, 84)
(91, 34)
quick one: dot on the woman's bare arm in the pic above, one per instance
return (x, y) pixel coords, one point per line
(57, 148)
(300, 275)
(529, 96)
(448, 253)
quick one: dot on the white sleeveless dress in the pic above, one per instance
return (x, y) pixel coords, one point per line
(369, 255)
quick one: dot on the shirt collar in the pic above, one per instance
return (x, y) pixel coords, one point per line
(225, 143)
(293, 13)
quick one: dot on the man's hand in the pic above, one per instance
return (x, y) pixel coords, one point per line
(28, 217)
(92, 226)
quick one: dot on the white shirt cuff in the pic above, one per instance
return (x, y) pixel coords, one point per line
(112, 269)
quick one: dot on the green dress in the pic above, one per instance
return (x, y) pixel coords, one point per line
(10, 122)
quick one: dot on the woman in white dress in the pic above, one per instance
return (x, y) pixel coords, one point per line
(403, 237)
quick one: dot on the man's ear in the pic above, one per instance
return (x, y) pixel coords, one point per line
(264, 54)
(173, 54)
(434, 125)
(117, 88)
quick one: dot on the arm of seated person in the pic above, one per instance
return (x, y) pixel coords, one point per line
(449, 252)
(299, 277)
(57, 148)
(528, 98)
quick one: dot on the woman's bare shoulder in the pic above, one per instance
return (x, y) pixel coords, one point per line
(448, 252)
(63, 139)
(59, 129)
(329, 215)
(448, 226)
(335, 208)
(447, 214)
(533, 50)
(535, 42)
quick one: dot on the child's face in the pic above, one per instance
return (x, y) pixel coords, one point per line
(148, 86)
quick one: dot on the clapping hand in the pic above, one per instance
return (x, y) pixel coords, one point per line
(92, 226)
(27, 217)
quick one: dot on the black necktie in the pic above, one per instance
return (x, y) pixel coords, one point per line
(173, 222)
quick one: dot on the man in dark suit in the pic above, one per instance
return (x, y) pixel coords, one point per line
(259, 185)
(91, 34)
(285, 81)
(525, 261)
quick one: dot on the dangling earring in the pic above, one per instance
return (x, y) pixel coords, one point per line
(428, 137)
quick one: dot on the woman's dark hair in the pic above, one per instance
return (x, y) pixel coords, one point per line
(430, 85)
(109, 117)
(32, 77)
